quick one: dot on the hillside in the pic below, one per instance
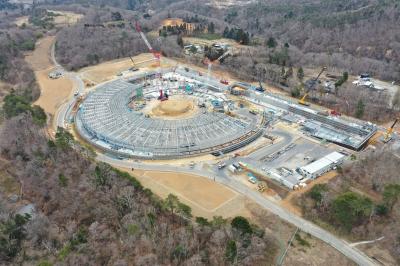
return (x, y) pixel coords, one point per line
(85, 212)
(361, 203)
(89, 213)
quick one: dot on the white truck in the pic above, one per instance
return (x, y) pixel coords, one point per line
(221, 165)
(232, 169)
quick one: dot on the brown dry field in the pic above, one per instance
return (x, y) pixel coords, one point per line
(53, 92)
(21, 20)
(206, 197)
(108, 70)
(39, 59)
(190, 188)
(65, 17)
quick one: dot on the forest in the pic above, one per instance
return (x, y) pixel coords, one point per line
(368, 215)
(88, 213)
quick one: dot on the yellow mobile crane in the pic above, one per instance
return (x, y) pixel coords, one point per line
(388, 135)
(302, 101)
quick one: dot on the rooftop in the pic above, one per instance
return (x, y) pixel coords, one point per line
(325, 161)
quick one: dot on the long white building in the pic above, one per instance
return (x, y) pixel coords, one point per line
(323, 165)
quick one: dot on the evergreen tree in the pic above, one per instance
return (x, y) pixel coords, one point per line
(211, 28)
(360, 109)
(300, 73)
(226, 32)
(271, 43)
(179, 40)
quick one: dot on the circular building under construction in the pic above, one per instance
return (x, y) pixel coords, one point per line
(173, 114)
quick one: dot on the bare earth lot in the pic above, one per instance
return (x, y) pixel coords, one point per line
(63, 18)
(206, 197)
(52, 91)
(108, 70)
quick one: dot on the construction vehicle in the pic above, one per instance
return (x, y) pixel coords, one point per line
(262, 186)
(221, 165)
(224, 81)
(157, 55)
(251, 178)
(302, 101)
(260, 88)
(232, 169)
(388, 135)
(133, 68)
(311, 83)
(253, 111)
(210, 62)
(335, 113)
(163, 96)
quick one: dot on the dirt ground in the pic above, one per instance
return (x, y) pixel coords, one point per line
(63, 18)
(108, 70)
(52, 91)
(22, 20)
(290, 201)
(206, 197)
(66, 17)
(176, 107)
(39, 59)
(194, 40)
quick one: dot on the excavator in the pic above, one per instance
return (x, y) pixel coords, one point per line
(388, 135)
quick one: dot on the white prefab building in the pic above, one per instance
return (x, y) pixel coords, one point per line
(323, 165)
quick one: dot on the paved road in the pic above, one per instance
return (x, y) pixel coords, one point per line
(61, 115)
(222, 177)
(286, 140)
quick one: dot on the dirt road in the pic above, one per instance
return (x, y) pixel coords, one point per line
(53, 92)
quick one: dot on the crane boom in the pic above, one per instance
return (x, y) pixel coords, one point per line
(389, 132)
(224, 55)
(144, 38)
(254, 64)
(322, 70)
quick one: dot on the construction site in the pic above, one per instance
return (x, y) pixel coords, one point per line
(179, 112)
(225, 146)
